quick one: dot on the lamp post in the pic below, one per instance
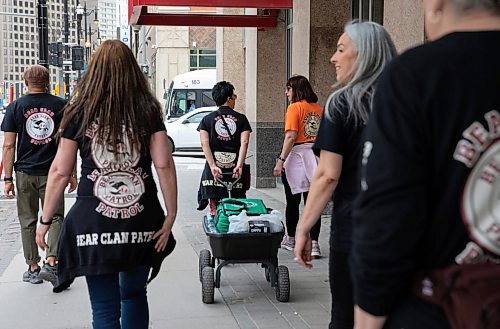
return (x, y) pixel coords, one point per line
(99, 40)
(79, 13)
(87, 46)
(90, 44)
(86, 39)
(66, 49)
(43, 34)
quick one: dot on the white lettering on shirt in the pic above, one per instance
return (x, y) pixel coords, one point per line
(477, 139)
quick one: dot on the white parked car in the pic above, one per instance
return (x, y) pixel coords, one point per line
(182, 131)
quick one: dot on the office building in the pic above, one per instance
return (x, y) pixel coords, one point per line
(19, 39)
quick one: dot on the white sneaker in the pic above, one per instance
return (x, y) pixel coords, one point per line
(288, 243)
(315, 251)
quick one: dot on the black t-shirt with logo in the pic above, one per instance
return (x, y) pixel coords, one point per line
(432, 168)
(341, 135)
(220, 139)
(35, 118)
(225, 148)
(111, 225)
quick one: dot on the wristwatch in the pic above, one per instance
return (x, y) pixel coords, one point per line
(281, 159)
(8, 179)
(47, 222)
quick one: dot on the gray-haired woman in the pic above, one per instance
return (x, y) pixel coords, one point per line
(362, 51)
(430, 201)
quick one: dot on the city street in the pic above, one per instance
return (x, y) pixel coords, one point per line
(245, 299)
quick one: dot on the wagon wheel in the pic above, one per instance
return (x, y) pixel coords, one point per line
(205, 259)
(283, 286)
(207, 285)
(267, 273)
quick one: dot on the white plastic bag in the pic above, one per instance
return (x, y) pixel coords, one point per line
(274, 218)
(238, 223)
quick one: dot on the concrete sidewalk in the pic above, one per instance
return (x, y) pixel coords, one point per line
(245, 299)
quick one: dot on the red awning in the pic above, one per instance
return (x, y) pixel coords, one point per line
(139, 15)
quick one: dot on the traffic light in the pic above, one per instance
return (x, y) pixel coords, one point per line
(56, 54)
(77, 57)
(57, 89)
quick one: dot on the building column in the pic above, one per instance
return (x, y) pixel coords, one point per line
(327, 20)
(317, 24)
(404, 20)
(231, 57)
(265, 103)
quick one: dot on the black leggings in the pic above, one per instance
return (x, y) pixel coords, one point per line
(341, 290)
(292, 211)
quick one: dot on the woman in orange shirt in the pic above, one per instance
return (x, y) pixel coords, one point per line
(296, 163)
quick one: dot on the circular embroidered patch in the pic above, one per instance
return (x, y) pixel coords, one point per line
(119, 189)
(40, 126)
(221, 130)
(481, 200)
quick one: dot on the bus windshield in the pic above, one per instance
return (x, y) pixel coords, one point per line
(183, 101)
(189, 91)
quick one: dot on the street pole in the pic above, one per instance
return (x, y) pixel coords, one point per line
(144, 65)
(89, 49)
(43, 34)
(78, 24)
(136, 38)
(131, 33)
(78, 32)
(143, 37)
(67, 54)
(85, 33)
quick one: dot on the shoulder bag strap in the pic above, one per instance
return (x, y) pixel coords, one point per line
(225, 124)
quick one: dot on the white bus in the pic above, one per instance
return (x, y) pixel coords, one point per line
(190, 91)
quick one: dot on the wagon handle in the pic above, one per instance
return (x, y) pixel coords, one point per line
(228, 185)
(236, 202)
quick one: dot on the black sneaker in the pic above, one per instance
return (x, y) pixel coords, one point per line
(32, 276)
(49, 273)
(62, 286)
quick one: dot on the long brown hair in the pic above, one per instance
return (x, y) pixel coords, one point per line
(115, 94)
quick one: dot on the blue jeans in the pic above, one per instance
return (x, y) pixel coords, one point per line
(119, 295)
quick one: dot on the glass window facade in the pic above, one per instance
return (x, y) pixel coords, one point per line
(202, 59)
(368, 10)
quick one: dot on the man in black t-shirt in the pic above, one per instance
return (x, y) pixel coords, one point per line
(33, 120)
(224, 136)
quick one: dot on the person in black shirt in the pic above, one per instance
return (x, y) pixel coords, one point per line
(33, 120)
(224, 136)
(362, 52)
(117, 231)
(431, 167)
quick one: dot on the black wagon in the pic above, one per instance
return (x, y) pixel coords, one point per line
(238, 248)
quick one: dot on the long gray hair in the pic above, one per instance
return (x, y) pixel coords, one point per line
(488, 5)
(374, 48)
